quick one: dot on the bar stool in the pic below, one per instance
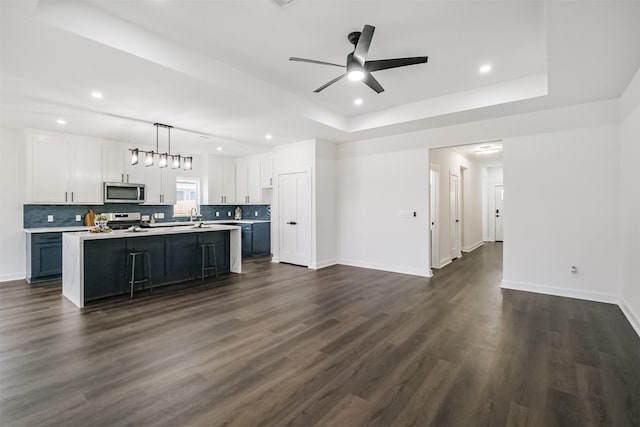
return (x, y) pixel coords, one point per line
(131, 261)
(206, 250)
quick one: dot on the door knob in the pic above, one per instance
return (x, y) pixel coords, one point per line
(292, 223)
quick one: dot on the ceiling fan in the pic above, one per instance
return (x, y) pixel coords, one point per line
(357, 67)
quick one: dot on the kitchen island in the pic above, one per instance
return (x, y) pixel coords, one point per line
(94, 265)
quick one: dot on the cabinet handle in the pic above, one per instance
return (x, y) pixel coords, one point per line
(270, 181)
(127, 177)
(225, 199)
(221, 199)
(72, 196)
(65, 197)
(121, 177)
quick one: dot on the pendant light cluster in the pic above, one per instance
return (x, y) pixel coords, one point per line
(164, 159)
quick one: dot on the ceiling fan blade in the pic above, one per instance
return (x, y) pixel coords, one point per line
(326, 85)
(384, 64)
(362, 48)
(313, 61)
(371, 81)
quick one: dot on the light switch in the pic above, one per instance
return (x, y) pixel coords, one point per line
(159, 215)
(49, 218)
(78, 218)
(217, 213)
(228, 213)
(256, 213)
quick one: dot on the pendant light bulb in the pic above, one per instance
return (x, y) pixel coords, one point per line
(148, 160)
(188, 163)
(163, 160)
(175, 161)
(134, 156)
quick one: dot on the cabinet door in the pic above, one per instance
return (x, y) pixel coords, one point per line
(266, 170)
(241, 181)
(153, 181)
(254, 187)
(85, 183)
(135, 174)
(169, 186)
(229, 181)
(50, 170)
(113, 165)
(216, 180)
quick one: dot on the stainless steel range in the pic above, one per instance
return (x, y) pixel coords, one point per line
(121, 221)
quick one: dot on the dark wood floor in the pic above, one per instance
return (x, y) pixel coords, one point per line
(343, 346)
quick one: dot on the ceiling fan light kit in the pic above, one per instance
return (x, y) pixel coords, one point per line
(357, 67)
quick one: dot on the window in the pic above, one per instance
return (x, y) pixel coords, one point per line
(187, 191)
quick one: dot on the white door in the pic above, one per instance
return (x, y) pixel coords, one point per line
(499, 204)
(454, 218)
(295, 218)
(433, 198)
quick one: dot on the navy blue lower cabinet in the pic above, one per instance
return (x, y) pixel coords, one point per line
(247, 240)
(261, 239)
(46, 256)
(174, 258)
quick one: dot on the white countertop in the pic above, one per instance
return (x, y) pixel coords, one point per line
(72, 228)
(57, 229)
(209, 222)
(159, 231)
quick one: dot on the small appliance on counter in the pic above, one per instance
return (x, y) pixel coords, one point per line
(238, 214)
(122, 221)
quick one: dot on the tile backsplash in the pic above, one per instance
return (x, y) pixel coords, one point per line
(228, 211)
(35, 216)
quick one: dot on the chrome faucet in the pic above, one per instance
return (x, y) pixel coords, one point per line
(193, 214)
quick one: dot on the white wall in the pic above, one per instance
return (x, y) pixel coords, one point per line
(12, 193)
(449, 162)
(630, 200)
(561, 190)
(372, 191)
(326, 209)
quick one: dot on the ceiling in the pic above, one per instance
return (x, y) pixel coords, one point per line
(487, 153)
(219, 72)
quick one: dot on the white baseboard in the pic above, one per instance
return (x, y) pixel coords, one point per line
(560, 292)
(631, 316)
(11, 277)
(473, 247)
(444, 262)
(324, 264)
(425, 272)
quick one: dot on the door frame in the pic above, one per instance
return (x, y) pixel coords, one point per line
(451, 219)
(495, 229)
(311, 217)
(434, 208)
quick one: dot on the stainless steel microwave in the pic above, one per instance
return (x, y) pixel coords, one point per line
(119, 192)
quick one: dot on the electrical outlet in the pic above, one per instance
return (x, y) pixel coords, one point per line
(217, 213)
(78, 218)
(160, 215)
(145, 217)
(49, 218)
(228, 213)
(255, 213)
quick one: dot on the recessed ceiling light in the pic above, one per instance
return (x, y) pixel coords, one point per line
(219, 148)
(486, 149)
(268, 136)
(96, 94)
(61, 122)
(485, 68)
(357, 101)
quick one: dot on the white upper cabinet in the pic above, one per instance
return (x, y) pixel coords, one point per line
(117, 167)
(222, 181)
(65, 170)
(266, 170)
(160, 185)
(248, 180)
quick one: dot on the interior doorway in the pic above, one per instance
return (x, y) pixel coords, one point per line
(434, 221)
(498, 193)
(454, 216)
(294, 220)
